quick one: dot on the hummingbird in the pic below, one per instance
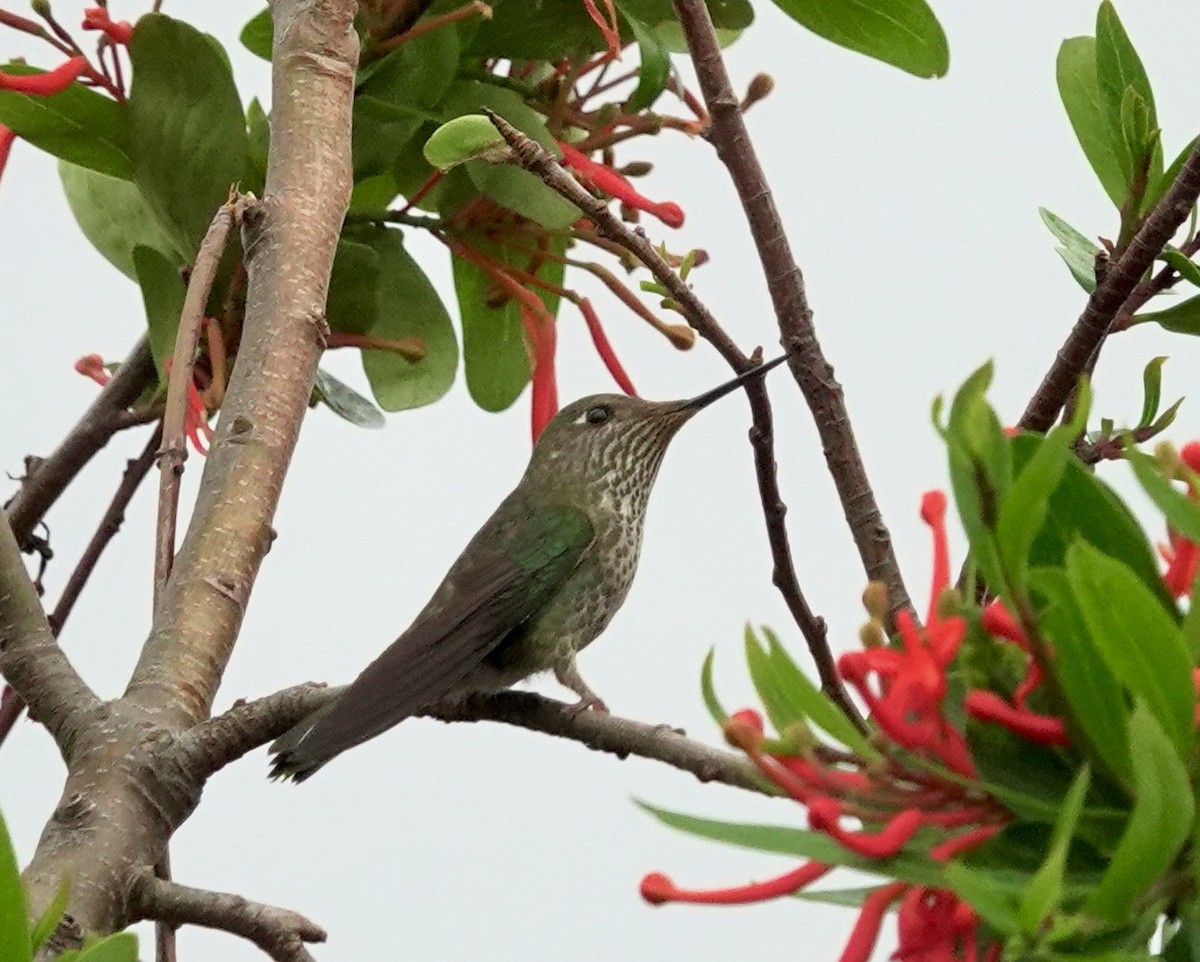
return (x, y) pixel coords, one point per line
(538, 583)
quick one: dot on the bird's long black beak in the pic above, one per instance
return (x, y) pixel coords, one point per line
(707, 398)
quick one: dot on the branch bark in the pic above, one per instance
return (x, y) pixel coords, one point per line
(209, 747)
(531, 155)
(100, 422)
(1105, 303)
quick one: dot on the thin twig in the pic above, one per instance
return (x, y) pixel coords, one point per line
(174, 445)
(785, 282)
(476, 8)
(529, 154)
(1111, 293)
(210, 746)
(280, 933)
(136, 469)
(100, 422)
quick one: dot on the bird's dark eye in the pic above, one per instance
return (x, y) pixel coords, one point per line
(598, 414)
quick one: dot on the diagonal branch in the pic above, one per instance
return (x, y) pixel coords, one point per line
(99, 423)
(30, 659)
(210, 746)
(812, 370)
(1119, 282)
(280, 933)
(11, 704)
(531, 155)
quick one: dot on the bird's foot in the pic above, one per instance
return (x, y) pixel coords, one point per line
(569, 677)
(588, 702)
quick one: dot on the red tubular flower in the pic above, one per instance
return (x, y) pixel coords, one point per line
(997, 621)
(6, 141)
(1183, 561)
(43, 84)
(657, 889)
(608, 181)
(989, 707)
(823, 815)
(97, 18)
(195, 422)
(870, 920)
(609, 27)
(604, 348)
(934, 926)
(933, 513)
(92, 366)
(944, 851)
(543, 339)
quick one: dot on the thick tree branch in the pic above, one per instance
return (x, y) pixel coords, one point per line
(1105, 303)
(11, 705)
(529, 154)
(280, 933)
(211, 746)
(30, 659)
(812, 370)
(99, 423)
(289, 238)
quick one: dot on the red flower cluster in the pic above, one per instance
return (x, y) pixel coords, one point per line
(1181, 554)
(608, 181)
(893, 799)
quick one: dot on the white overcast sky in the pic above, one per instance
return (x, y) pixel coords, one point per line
(912, 207)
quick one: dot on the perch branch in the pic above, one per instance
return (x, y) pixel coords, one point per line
(785, 282)
(528, 153)
(100, 422)
(280, 933)
(1105, 303)
(212, 745)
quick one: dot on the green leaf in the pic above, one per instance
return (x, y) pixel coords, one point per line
(407, 306)
(1042, 897)
(495, 357)
(121, 947)
(465, 138)
(400, 96)
(1159, 185)
(1188, 269)
(1079, 89)
(1023, 511)
(1118, 70)
(186, 125)
(654, 65)
(903, 33)
(799, 843)
(1181, 512)
(1098, 701)
(709, 691)
(762, 673)
(806, 700)
(163, 293)
(1151, 390)
(842, 898)
(997, 907)
(258, 142)
(353, 302)
(1077, 252)
(77, 125)
(258, 33)
(1158, 826)
(1138, 639)
(346, 402)
(114, 217)
(1181, 318)
(44, 927)
(14, 918)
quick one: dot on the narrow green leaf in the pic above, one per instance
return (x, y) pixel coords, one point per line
(1181, 318)
(407, 305)
(808, 701)
(799, 843)
(903, 33)
(187, 127)
(1079, 89)
(1042, 897)
(1158, 826)
(1151, 390)
(114, 217)
(1098, 701)
(1188, 269)
(762, 674)
(1119, 69)
(258, 142)
(1119, 611)
(78, 125)
(842, 898)
(1159, 185)
(44, 927)
(997, 907)
(654, 64)
(346, 402)
(1077, 251)
(257, 35)
(163, 292)
(709, 691)
(14, 918)
(1182, 513)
